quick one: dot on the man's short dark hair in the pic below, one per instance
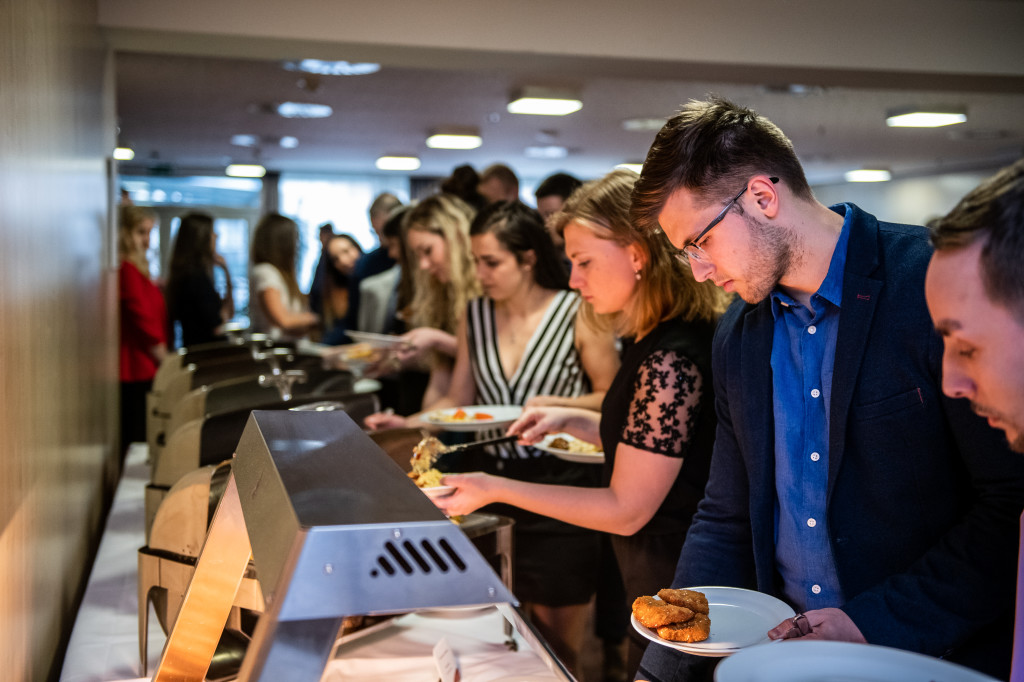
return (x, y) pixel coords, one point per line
(994, 212)
(711, 148)
(503, 173)
(559, 184)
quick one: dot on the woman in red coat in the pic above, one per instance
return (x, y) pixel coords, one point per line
(143, 321)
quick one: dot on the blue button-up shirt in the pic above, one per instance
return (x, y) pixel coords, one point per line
(803, 356)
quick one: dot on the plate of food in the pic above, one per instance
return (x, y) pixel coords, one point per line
(423, 473)
(473, 417)
(708, 621)
(570, 448)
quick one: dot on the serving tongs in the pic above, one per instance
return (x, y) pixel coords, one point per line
(430, 449)
(477, 444)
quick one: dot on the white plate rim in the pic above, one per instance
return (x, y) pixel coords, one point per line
(582, 457)
(802, 661)
(438, 490)
(379, 340)
(503, 416)
(779, 611)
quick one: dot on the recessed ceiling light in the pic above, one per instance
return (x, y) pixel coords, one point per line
(303, 110)
(551, 151)
(244, 140)
(643, 125)
(335, 68)
(245, 170)
(454, 140)
(398, 163)
(924, 119)
(544, 102)
(635, 167)
(868, 175)
(124, 153)
(288, 142)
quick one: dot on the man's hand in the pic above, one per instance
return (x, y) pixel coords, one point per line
(825, 624)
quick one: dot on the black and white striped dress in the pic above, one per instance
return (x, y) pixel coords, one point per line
(550, 364)
(554, 563)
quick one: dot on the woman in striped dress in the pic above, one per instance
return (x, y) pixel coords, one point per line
(524, 344)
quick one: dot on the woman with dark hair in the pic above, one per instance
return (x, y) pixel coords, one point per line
(523, 343)
(192, 299)
(657, 422)
(276, 306)
(342, 252)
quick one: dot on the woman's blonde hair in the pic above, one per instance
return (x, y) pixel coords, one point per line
(435, 304)
(130, 217)
(666, 288)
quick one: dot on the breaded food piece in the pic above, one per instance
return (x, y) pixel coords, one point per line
(695, 601)
(697, 629)
(653, 613)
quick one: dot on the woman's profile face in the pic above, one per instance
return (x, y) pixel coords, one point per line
(500, 274)
(431, 253)
(602, 271)
(140, 235)
(343, 255)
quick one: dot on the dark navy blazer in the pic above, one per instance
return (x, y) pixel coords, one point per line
(923, 497)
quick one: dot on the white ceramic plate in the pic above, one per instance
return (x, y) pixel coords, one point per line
(501, 415)
(568, 455)
(816, 661)
(739, 619)
(438, 491)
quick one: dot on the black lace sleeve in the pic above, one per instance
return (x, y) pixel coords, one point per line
(666, 398)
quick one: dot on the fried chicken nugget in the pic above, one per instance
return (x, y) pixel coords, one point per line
(696, 629)
(654, 613)
(695, 601)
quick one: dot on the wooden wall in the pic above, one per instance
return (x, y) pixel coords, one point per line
(58, 325)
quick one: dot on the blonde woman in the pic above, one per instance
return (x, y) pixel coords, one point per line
(437, 237)
(276, 306)
(143, 321)
(657, 421)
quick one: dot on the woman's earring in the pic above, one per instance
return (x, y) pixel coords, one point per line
(637, 273)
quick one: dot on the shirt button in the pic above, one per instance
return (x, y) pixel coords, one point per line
(811, 523)
(816, 589)
(812, 329)
(815, 456)
(815, 393)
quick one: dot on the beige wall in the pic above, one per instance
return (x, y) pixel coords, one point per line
(58, 343)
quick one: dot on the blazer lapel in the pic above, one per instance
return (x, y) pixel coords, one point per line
(860, 299)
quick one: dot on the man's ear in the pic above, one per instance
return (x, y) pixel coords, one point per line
(766, 194)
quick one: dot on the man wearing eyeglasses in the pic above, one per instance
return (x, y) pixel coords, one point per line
(843, 481)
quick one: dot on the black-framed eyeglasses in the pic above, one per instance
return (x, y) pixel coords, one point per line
(692, 249)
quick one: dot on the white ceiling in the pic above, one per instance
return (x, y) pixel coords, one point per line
(179, 107)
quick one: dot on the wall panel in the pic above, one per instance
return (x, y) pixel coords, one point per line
(58, 342)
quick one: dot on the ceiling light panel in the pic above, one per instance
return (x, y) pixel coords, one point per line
(925, 119)
(124, 153)
(398, 163)
(332, 68)
(303, 110)
(868, 175)
(544, 102)
(245, 170)
(442, 140)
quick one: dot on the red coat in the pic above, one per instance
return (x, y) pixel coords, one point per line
(143, 323)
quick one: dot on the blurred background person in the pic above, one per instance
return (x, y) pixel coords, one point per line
(276, 306)
(552, 192)
(193, 302)
(372, 262)
(463, 183)
(143, 321)
(498, 182)
(316, 295)
(521, 342)
(342, 253)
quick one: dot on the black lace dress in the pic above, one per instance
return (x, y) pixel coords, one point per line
(662, 401)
